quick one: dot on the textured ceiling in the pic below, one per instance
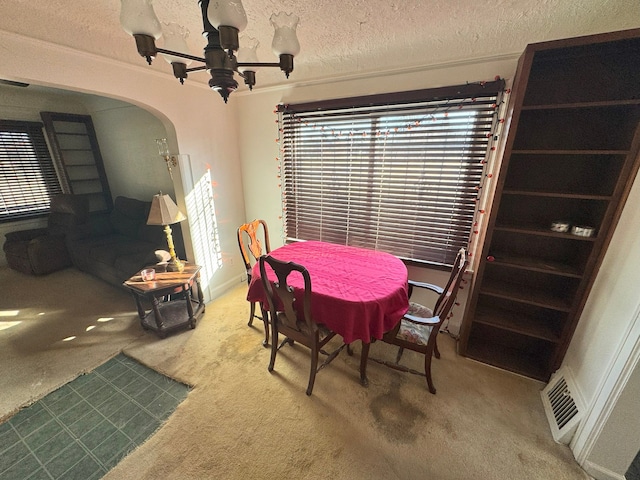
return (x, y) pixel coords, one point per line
(338, 38)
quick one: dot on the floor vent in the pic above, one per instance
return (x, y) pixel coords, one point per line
(562, 406)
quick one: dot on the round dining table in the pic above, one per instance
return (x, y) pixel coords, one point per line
(356, 292)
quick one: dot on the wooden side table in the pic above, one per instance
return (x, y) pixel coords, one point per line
(168, 313)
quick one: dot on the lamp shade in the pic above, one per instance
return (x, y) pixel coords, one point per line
(285, 40)
(138, 17)
(164, 211)
(228, 13)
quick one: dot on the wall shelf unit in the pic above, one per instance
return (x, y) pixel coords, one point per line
(74, 144)
(571, 155)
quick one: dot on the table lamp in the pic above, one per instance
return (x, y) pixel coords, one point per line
(165, 212)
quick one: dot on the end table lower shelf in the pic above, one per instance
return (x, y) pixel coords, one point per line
(174, 303)
(173, 315)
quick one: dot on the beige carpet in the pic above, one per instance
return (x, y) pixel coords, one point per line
(242, 422)
(55, 327)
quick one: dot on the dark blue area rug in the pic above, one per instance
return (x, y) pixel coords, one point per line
(86, 427)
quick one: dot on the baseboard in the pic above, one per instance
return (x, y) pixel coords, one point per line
(600, 473)
(213, 293)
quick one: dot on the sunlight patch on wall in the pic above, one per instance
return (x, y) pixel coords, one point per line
(204, 228)
(9, 313)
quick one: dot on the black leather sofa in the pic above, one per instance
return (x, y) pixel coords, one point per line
(114, 246)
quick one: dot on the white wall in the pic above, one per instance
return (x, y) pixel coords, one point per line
(619, 442)
(258, 130)
(201, 126)
(611, 305)
(605, 328)
(126, 135)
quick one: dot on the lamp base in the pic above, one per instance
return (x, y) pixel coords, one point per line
(175, 265)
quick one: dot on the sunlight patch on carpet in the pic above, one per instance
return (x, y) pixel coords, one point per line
(86, 427)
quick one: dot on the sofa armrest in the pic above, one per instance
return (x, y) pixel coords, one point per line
(47, 245)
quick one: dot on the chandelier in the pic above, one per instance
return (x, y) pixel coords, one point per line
(223, 56)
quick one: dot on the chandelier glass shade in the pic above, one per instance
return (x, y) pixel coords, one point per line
(138, 18)
(175, 38)
(223, 57)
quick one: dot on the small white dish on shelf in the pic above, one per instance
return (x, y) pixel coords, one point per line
(560, 226)
(582, 231)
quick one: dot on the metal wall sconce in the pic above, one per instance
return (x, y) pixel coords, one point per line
(163, 150)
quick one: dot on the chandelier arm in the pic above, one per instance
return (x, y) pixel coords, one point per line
(180, 54)
(197, 69)
(258, 64)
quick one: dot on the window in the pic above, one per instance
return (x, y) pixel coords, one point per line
(399, 173)
(27, 175)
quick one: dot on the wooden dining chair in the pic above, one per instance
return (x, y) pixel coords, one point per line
(253, 240)
(418, 329)
(291, 318)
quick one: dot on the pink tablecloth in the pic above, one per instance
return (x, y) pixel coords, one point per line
(359, 294)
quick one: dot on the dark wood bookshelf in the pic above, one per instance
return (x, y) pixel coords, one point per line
(546, 232)
(570, 154)
(521, 294)
(555, 195)
(536, 264)
(542, 327)
(528, 365)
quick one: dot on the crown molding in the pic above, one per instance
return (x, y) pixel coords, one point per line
(384, 73)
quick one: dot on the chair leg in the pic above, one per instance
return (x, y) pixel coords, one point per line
(274, 348)
(314, 370)
(427, 371)
(265, 320)
(399, 356)
(364, 358)
(436, 352)
(252, 313)
(350, 350)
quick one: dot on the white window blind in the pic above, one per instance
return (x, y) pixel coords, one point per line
(27, 175)
(398, 173)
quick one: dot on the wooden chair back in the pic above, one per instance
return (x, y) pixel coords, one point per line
(447, 298)
(253, 240)
(291, 316)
